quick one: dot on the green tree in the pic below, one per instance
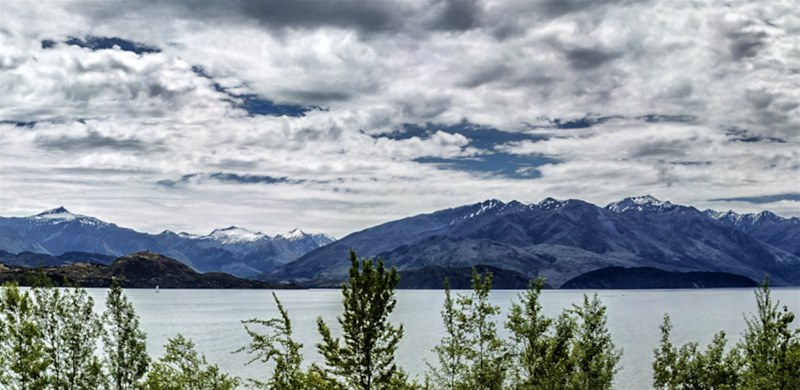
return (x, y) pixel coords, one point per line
(690, 368)
(126, 352)
(365, 358)
(22, 350)
(558, 366)
(530, 341)
(70, 332)
(471, 355)
(4, 369)
(278, 346)
(182, 368)
(771, 348)
(452, 349)
(488, 358)
(595, 359)
(768, 357)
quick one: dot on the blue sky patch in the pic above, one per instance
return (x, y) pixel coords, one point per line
(19, 123)
(254, 104)
(481, 137)
(744, 135)
(102, 43)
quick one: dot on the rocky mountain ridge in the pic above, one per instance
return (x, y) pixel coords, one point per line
(233, 250)
(560, 240)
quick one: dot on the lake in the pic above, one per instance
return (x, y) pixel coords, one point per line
(211, 318)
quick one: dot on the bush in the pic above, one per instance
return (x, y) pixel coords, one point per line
(767, 358)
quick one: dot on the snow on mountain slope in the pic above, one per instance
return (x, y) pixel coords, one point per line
(640, 203)
(235, 235)
(246, 252)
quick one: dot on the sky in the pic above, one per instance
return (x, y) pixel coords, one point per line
(334, 116)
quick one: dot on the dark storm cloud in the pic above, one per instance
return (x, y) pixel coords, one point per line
(457, 15)
(226, 177)
(745, 44)
(590, 58)
(790, 196)
(320, 95)
(661, 147)
(652, 118)
(555, 8)
(94, 140)
(486, 75)
(362, 15)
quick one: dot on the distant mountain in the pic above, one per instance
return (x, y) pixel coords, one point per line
(560, 240)
(646, 277)
(781, 232)
(233, 250)
(138, 270)
(29, 259)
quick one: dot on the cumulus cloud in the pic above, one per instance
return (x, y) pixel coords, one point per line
(334, 116)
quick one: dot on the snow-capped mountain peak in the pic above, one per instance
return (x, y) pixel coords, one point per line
(56, 213)
(233, 235)
(550, 203)
(766, 216)
(640, 203)
(488, 205)
(323, 239)
(294, 234)
(61, 215)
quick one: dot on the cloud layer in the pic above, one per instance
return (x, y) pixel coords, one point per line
(335, 116)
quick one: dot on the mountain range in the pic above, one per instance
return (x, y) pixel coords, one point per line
(232, 250)
(559, 240)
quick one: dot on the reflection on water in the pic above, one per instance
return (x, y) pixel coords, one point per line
(211, 318)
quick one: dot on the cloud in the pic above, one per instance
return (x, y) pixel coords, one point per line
(307, 111)
(92, 139)
(225, 177)
(762, 199)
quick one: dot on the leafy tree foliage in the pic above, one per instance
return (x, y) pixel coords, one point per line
(771, 348)
(182, 368)
(364, 359)
(471, 355)
(126, 352)
(768, 357)
(49, 337)
(452, 349)
(530, 344)
(691, 368)
(574, 351)
(278, 346)
(70, 331)
(593, 354)
(22, 352)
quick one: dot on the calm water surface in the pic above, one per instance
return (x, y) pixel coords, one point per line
(211, 318)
